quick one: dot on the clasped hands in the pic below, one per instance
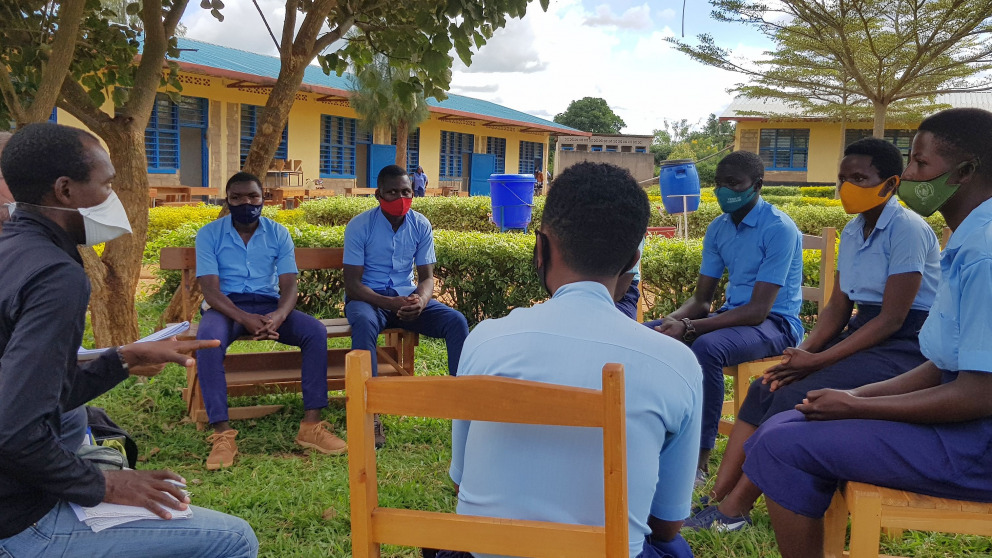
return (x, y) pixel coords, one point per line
(263, 327)
(408, 308)
(819, 404)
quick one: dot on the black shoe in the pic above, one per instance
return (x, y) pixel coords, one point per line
(380, 433)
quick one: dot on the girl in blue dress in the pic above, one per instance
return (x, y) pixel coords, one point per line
(928, 430)
(888, 267)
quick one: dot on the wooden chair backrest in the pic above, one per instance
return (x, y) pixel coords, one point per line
(826, 243)
(184, 259)
(484, 398)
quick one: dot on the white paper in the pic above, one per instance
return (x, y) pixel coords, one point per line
(160, 335)
(104, 516)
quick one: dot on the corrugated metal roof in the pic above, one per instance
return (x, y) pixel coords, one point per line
(980, 99)
(209, 56)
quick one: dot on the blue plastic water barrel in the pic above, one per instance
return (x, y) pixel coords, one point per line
(512, 199)
(678, 178)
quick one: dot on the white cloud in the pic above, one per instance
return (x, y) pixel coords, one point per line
(637, 18)
(509, 50)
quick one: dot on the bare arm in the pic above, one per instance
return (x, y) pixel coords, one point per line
(416, 302)
(701, 301)
(924, 376)
(356, 290)
(831, 320)
(750, 314)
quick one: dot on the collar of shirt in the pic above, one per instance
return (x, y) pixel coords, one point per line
(263, 229)
(753, 216)
(888, 212)
(979, 217)
(587, 289)
(26, 221)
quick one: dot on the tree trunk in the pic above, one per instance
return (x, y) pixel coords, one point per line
(879, 130)
(114, 275)
(275, 116)
(402, 134)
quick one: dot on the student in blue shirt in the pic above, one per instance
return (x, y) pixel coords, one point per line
(548, 473)
(246, 268)
(927, 430)
(761, 248)
(420, 182)
(888, 265)
(381, 248)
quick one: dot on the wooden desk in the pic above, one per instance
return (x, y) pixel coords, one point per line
(174, 193)
(359, 192)
(289, 175)
(431, 192)
(320, 193)
(283, 195)
(152, 194)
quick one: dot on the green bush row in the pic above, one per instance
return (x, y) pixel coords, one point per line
(485, 275)
(799, 191)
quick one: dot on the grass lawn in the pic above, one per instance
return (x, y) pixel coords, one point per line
(297, 500)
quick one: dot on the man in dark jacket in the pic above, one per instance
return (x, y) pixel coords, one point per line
(60, 179)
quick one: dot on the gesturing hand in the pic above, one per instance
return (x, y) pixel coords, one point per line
(146, 489)
(829, 404)
(796, 364)
(148, 359)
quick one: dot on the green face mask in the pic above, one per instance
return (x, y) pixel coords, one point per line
(927, 196)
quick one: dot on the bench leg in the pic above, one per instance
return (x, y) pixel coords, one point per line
(195, 409)
(865, 504)
(835, 527)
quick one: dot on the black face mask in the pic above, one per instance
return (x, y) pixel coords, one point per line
(541, 268)
(246, 213)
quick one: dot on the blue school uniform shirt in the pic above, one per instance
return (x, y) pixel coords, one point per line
(957, 335)
(419, 181)
(389, 258)
(902, 242)
(766, 246)
(554, 473)
(253, 268)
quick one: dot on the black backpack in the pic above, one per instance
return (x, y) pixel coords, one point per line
(105, 430)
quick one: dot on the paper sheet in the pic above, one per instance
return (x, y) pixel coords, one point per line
(160, 335)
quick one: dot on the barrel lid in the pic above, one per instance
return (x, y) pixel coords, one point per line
(677, 162)
(512, 177)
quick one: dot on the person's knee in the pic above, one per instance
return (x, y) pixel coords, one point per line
(311, 329)
(705, 347)
(242, 541)
(458, 325)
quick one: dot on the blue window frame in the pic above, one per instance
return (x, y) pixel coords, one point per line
(250, 115)
(497, 147)
(54, 118)
(595, 148)
(903, 139)
(640, 149)
(529, 151)
(611, 148)
(338, 141)
(453, 146)
(784, 149)
(162, 137)
(412, 150)
(568, 147)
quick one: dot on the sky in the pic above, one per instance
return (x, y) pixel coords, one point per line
(614, 49)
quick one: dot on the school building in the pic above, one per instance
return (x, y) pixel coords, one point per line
(205, 138)
(631, 152)
(802, 150)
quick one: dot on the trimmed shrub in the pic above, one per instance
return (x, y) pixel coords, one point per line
(817, 191)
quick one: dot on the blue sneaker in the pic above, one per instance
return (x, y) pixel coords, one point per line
(711, 518)
(704, 502)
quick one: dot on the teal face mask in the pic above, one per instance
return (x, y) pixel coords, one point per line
(927, 196)
(730, 201)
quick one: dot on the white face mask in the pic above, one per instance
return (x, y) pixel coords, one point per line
(102, 223)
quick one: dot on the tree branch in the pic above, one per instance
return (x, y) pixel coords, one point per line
(10, 95)
(56, 68)
(77, 103)
(288, 28)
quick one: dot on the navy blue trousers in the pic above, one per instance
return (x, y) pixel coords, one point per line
(726, 347)
(628, 304)
(300, 330)
(676, 548)
(897, 354)
(437, 320)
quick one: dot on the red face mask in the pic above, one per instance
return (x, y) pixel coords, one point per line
(397, 208)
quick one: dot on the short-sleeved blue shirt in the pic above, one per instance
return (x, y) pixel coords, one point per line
(419, 181)
(902, 242)
(389, 258)
(553, 473)
(253, 268)
(766, 246)
(957, 335)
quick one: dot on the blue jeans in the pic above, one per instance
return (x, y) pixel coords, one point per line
(74, 425)
(727, 347)
(300, 330)
(207, 533)
(437, 320)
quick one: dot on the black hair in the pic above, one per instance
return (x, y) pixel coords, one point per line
(747, 161)
(885, 156)
(390, 171)
(39, 154)
(963, 132)
(242, 177)
(599, 215)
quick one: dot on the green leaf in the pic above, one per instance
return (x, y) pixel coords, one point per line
(132, 8)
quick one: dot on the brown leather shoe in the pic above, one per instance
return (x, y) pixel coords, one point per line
(318, 436)
(380, 433)
(223, 451)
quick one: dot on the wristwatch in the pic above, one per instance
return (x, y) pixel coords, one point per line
(690, 331)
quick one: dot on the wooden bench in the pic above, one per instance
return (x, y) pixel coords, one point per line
(276, 371)
(432, 192)
(744, 372)
(873, 508)
(350, 192)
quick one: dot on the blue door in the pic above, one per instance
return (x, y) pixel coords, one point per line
(380, 156)
(482, 165)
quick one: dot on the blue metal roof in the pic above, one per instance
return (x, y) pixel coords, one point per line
(234, 60)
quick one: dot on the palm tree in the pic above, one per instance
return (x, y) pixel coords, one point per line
(376, 101)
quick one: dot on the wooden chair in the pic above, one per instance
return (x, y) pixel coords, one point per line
(873, 508)
(742, 373)
(485, 398)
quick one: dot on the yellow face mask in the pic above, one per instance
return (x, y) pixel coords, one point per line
(856, 199)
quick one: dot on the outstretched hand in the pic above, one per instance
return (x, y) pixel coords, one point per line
(148, 359)
(147, 489)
